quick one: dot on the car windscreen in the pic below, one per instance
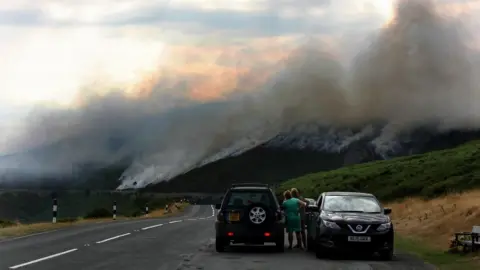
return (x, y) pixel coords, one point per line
(342, 203)
(241, 198)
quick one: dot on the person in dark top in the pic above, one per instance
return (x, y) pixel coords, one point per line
(296, 194)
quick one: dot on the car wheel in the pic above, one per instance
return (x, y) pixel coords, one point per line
(258, 214)
(280, 244)
(386, 255)
(220, 245)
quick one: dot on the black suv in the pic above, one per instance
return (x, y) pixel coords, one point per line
(349, 221)
(249, 214)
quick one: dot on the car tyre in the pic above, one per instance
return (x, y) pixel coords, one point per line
(220, 244)
(386, 255)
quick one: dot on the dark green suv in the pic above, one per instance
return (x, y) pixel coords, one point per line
(249, 214)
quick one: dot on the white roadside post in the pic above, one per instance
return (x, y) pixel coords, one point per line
(54, 211)
(114, 210)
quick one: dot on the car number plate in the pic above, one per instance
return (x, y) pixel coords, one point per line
(359, 239)
(234, 217)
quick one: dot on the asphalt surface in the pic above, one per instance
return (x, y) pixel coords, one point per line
(184, 242)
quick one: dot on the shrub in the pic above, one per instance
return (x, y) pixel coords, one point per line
(6, 223)
(99, 213)
(137, 213)
(67, 220)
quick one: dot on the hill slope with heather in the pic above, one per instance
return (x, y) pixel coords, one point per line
(287, 157)
(426, 175)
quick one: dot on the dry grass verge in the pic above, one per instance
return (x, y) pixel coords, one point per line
(432, 224)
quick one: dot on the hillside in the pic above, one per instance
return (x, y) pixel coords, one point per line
(296, 154)
(304, 150)
(427, 175)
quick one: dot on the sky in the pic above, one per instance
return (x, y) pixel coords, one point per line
(55, 53)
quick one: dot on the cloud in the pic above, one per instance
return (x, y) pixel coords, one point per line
(255, 18)
(21, 17)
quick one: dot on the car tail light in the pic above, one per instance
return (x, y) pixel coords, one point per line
(230, 233)
(267, 234)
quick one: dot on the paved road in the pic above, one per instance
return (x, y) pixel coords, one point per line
(178, 243)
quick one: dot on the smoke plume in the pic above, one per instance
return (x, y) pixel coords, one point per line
(418, 71)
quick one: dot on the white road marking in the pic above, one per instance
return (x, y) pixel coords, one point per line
(43, 259)
(113, 238)
(175, 221)
(99, 242)
(151, 227)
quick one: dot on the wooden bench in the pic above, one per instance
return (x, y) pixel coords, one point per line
(468, 240)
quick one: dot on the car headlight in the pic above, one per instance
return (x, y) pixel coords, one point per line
(384, 227)
(331, 225)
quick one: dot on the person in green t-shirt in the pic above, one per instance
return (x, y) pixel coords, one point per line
(296, 194)
(292, 208)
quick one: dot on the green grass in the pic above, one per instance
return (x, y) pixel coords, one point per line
(426, 175)
(441, 259)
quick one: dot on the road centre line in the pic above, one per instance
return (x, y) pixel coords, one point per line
(112, 238)
(100, 242)
(43, 259)
(151, 227)
(175, 221)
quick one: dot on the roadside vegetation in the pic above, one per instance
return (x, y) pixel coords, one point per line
(425, 227)
(36, 206)
(14, 229)
(426, 175)
(432, 196)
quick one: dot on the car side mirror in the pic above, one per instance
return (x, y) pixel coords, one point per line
(312, 208)
(217, 206)
(387, 211)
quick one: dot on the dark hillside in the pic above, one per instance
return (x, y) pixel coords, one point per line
(277, 163)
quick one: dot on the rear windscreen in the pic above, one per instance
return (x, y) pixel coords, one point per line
(240, 198)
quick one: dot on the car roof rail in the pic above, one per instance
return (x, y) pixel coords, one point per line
(249, 185)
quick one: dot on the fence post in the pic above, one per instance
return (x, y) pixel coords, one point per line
(114, 210)
(146, 209)
(54, 211)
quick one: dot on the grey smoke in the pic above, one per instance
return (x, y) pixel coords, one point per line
(417, 71)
